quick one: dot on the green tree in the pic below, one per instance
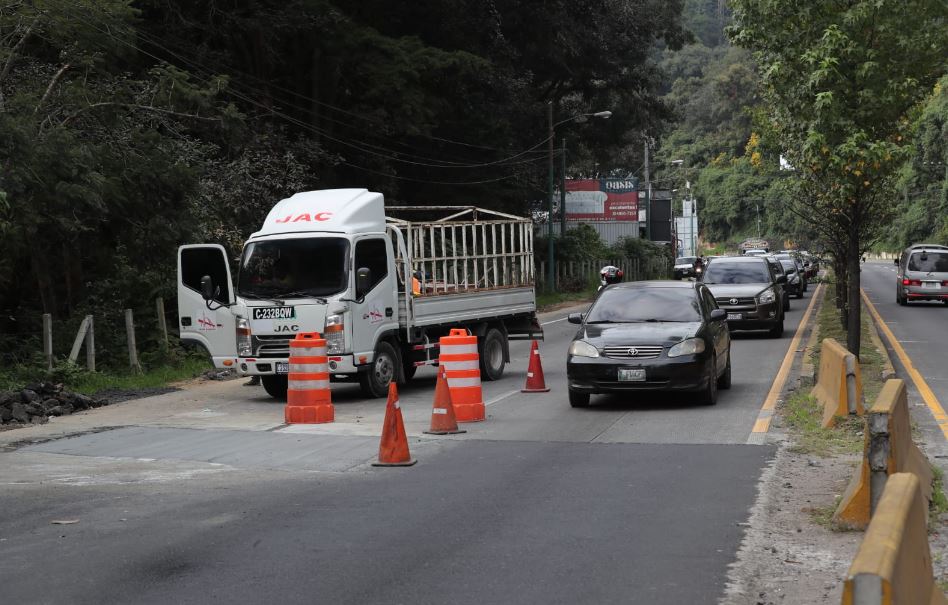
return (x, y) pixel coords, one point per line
(840, 81)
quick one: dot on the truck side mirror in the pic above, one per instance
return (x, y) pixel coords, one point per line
(575, 318)
(363, 281)
(207, 287)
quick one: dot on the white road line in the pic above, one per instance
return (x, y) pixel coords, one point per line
(553, 321)
(500, 398)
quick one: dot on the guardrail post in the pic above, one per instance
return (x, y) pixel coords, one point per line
(48, 341)
(162, 324)
(132, 349)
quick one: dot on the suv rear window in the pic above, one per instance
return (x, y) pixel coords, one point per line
(929, 262)
(737, 273)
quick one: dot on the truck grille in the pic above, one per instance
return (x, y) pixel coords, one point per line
(272, 346)
(633, 351)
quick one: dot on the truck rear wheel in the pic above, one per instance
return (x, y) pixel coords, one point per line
(491, 353)
(381, 372)
(275, 386)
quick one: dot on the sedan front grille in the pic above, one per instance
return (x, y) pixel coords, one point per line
(633, 351)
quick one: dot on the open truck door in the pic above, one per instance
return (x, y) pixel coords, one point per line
(210, 324)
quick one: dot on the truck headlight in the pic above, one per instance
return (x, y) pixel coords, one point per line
(334, 333)
(581, 348)
(767, 296)
(690, 346)
(244, 339)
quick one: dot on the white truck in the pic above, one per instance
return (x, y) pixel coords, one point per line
(381, 290)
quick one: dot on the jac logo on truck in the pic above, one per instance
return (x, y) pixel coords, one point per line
(292, 328)
(306, 217)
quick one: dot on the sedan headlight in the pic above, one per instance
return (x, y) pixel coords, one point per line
(767, 296)
(794, 278)
(691, 346)
(581, 348)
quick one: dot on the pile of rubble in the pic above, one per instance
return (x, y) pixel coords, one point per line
(37, 402)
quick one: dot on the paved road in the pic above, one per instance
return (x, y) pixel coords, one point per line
(921, 328)
(205, 496)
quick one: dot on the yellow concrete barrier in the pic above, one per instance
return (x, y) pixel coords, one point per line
(893, 565)
(839, 382)
(887, 449)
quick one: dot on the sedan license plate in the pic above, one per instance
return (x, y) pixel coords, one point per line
(274, 312)
(931, 285)
(734, 316)
(631, 375)
(282, 367)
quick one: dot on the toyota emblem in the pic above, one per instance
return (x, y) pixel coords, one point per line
(633, 352)
(733, 301)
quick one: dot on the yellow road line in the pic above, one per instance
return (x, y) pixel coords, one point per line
(762, 425)
(923, 389)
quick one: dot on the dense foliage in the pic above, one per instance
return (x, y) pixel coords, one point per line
(128, 127)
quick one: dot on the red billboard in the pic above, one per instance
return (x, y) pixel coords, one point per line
(602, 199)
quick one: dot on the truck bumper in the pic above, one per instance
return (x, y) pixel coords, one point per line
(253, 366)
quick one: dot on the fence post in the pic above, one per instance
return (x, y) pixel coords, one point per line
(132, 350)
(48, 340)
(80, 334)
(541, 276)
(90, 345)
(162, 324)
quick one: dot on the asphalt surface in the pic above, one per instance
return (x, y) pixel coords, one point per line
(922, 330)
(205, 496)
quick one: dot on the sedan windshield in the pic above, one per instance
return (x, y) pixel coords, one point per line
(736, 273)
(929, 262)
(632, 305)
(288, 268)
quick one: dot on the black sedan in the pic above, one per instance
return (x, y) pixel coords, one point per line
(652, 335)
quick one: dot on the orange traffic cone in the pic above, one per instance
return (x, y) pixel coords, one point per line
(443, 420)
(535, 381)
(393, 449)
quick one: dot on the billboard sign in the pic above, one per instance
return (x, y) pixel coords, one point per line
(602, 199)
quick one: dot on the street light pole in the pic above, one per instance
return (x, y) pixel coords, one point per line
(550, 286)
(563, 188)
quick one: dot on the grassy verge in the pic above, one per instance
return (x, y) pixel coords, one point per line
(548, 300)
(76, 379)
(804, 415)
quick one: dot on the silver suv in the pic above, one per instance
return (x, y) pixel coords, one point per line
(923, 274)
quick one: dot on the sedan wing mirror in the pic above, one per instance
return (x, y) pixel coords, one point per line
(575, 318)
(896, 261)
(781, 279)
(718, 314)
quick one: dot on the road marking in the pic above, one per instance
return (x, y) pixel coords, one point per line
(553, 321)
(923, 389)
(762, 425)
(500, 398)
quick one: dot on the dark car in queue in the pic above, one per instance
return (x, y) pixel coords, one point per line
(685, 266)
(650, 336)
(746, 288)
(796, 279)
(800, 271)
(782, 291)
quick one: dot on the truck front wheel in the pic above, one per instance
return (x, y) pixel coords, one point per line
(275, 386)
(492, 355)
(381, 372)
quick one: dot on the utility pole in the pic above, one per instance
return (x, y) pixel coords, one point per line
(563, 189)
(648, 196)
(758, 220)
(550, 270)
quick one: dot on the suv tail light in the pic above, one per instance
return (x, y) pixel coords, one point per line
(910, 282)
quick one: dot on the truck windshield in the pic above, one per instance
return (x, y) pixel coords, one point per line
(289, 268)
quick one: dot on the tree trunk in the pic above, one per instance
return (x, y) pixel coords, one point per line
(842, 290)
(854, 324)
